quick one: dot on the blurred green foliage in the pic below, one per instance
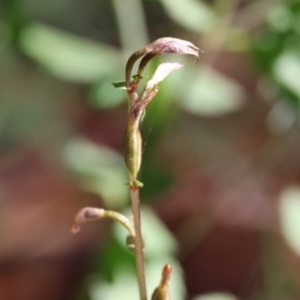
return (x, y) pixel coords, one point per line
(56, 47)
(216, 296)
(289, 216)
(100, 169)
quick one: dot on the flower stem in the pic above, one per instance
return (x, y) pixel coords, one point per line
(139, 247)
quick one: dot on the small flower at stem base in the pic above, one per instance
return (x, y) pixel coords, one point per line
(162, 291)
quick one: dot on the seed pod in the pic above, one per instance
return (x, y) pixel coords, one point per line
(133, 150)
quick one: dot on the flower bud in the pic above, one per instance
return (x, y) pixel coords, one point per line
(87, 214)
(169, 45)
(162, 291)
(165, 45)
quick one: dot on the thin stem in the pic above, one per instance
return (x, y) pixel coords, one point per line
(133, 140)
(120, 218)
(130, 63)
(139, 251)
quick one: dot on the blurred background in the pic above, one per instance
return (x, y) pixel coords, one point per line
(221, 161)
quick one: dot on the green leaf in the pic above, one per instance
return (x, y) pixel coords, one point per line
(287, 71)
(124, 285)
(216, 296)
(281, 117)
(208, 92)
(113, 257)
(158, 240)
(100, 169)
(67, 56)
(289, 213)
(280, 17)
(266, 46)
(103, 96)
(157, 178)
(192, 14)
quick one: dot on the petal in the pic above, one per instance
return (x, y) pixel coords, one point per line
(168, 45)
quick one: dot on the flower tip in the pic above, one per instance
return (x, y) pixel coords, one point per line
(197, 58)
(166, 274)
(169, 45)
(75, 228)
